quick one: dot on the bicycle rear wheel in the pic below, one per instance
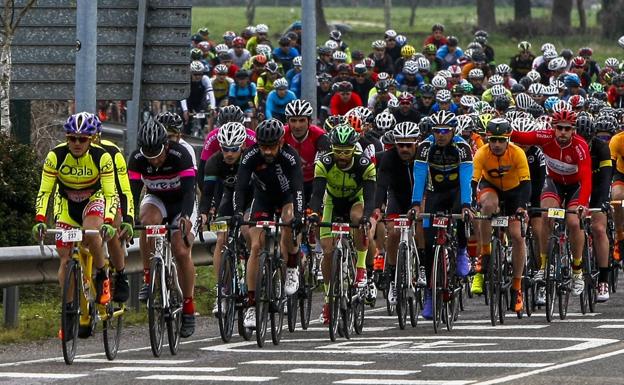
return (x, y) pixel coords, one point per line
(402, 285)
(155, 307)
(551, 280)
(278, 299)
(226, 295)
(244, 332)
(358, 315)
(174, 320)
(494, 281)
(70, 311)
(437, 286)
(292, 301)
(263, 297)
(335, 294)
(564, 290)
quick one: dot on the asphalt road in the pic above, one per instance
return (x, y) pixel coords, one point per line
(579, 350)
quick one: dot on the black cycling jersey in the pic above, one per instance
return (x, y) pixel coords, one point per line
(363, 89)
(412, 115)
(520, 67)
(537, 169)
(215, 171)
(173, 182)
(271, 180)
(602, 168)
(395, 182)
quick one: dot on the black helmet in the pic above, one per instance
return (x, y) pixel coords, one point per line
(230, 113)
(536, 110)
(584, 124)
(499, 127)
(517, 88)
(501, 103)
(478, 56)
(425, 126)
(606, 123)
(427, 90)
(452, 41)
(151, 138)
(269, 132)
(170, 120)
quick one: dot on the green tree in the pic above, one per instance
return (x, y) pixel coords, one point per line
(19, 184)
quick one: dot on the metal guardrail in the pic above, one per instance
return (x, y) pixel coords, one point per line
(23, 265)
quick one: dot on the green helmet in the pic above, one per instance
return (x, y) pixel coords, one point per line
(343, 135)
(468, 88)
(595, 87)
(429, 49)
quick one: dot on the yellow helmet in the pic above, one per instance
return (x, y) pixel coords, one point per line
(408, 51)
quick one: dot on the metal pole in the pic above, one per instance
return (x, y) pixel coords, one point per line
(308, 48)
(10, 300)
(134, 105)
(86, 67)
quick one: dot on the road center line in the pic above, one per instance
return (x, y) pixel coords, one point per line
(363, 372)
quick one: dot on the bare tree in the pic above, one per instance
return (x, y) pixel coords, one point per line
(387, 13)
(321, 23)
(582, 15)
(250, 12)
(486, 18)
(413, 5)
(561, 16)
(611, 18)
(522, 10)
(9, 21)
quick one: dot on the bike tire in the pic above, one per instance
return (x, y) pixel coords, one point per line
(70, 318)
(244, 332)
(437, 283)
(402, 286)
(305, 299)
(262, 296)
(155, 307)
(334, 294)
(504, 285)
(226, 295)
(550, 278)
(112, 327)
(278, 299)
(529, 296)
(174, 321)
(493, 283)
(414, 306)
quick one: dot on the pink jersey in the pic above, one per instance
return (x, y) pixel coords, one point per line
(211, 144)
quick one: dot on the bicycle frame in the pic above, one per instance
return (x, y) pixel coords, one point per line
(162, 252)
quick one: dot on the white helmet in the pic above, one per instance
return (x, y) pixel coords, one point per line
(524, 101)
(612, 62)
(496, 80)
(232, 134)
(557, 64)
(621, 41)
(536, 89)
(547, 47)
(385, 121)
(438, 82)
(443, 96)
(197, 66)
(331, 44)
(503, 69)
(262, 28)
(411, 67)
(297, 61)
(280, 83)
(220, 48)
(445, 74)
(263, 49)
(379, 44)
(405, 130)
(476, 73)
(498, 90)
(391, 33)
(468, 100)
(423, 63)
(339, 56)
(534, 76)
(464, 123)
(383, 76)
(523, 125)
(562, 105)
(550, 54)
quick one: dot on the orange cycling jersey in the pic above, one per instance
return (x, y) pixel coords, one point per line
(504, 172)
(616, 146)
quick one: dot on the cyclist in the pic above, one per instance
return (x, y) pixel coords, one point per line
(466, 128)
(239, 53)
(407, 111)
(446, 158)
(86, 197)
(437, 37)
(450, 52)
(201, 97)
(221, 83)
(277, 100)
(501, 175)
(166, 170)
(522, 63)
(394, 186)
(221, 168)
(344, 99)
(274, 170)
(616, 146)
(308, 140)
(568, 184)
(601, 178)
(285, 53)
(344, 183)
(243, 93)
(383, 61)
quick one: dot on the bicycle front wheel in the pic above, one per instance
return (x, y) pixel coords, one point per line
(308, 279)
(335, 294)
(156, 307)
(278, 299)
(494, 280)
(263, 287)
(437, 286)
(174, 320)
(551, 279)
(402, 285)
(70, 311)
(226, 295)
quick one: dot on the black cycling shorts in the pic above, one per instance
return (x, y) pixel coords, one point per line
(508, 201)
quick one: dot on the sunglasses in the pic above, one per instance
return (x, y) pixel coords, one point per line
(603, 138)
(343, 151)
(564, 128)
(230, 148)
(360, 76)
(78, 139)
(150, 153)
(498, 139)
(441, 131)
(405, 144)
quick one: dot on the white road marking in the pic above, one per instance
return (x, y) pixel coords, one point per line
(42, 376)
(488, 364)
(551, 368)
(171, 369)
(368, 329)
(383, 381)
(131, 362)
(287, 362)
(173, 377)
(609, 327)
(498, 327)
(363, 372)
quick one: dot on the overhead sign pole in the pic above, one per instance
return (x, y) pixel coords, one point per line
(134, 105)
(86, 55)
(308, 48)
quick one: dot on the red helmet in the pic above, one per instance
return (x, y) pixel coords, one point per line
(578, 62)
(564, 117)
(259, 60)
(355, 122)
(576, 101)
(585, 51)
(368, 62)
(238, 41)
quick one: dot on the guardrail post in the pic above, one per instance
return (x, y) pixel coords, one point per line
(135, 284)
(10, 299)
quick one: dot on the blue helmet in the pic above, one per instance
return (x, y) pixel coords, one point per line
(550, 102)
(572, 80)
(83, 123)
